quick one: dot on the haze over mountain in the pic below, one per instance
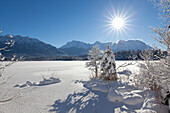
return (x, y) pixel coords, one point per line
(26, 46)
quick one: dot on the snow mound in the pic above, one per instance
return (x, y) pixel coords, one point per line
(23, 85)
(114, 96)
(125, 72)
(101, 88)
(133, 99)
(148, 111)
(17, 85)
(102, 83)
(150, 103)
(29, 83)
(51, 80)
(91, 84)
(45, 81)
(153, 105)
(126, 88)
(140, 92)
(115, 84)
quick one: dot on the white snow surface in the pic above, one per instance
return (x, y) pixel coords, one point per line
(101, 88)
(67, 89)
(114, 96)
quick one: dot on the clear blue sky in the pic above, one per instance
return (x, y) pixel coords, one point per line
(59, 21)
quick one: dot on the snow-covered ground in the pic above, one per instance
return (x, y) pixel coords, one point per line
(69, 90)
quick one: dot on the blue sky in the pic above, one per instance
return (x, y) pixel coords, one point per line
(59, 21)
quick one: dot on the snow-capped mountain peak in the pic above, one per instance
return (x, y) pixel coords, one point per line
(117, 46)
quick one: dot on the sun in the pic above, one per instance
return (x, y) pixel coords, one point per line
(118, 23)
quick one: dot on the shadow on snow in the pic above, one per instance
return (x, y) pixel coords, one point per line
(88, 101)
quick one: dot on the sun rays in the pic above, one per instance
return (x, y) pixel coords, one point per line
(117, 22)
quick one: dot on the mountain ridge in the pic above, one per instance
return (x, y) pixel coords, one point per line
(26, 46)
(81, 48)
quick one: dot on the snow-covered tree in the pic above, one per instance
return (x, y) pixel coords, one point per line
(163, 33)
(108, 65)
(163, 37)
(94, 55)
(164, 8)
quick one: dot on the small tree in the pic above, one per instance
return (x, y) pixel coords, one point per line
(108, 65)
(5, 45)
(94, 56)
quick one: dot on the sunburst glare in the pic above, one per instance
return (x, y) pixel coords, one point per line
(118, 22)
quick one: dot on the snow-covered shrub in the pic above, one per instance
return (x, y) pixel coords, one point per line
(108, 65)
(162, 68)
(156, 74)
(146, 76)
(163, 37)
(6, 45)
(94, 56)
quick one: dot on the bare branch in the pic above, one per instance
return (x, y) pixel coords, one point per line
(125, 65)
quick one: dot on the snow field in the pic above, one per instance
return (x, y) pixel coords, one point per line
(75, 93)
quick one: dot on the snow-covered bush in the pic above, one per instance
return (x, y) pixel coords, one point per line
(162, 68)
(6, 45)
(108, 65)
(94, 57)
(146, 76)
(156, 74)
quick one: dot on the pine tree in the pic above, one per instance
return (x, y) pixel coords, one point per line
(94, 56)
(108, 66)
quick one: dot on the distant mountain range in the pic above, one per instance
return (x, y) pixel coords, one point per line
(26, 46)
(81, 48)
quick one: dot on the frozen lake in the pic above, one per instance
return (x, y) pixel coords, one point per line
(65, 96)
(37, 99)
